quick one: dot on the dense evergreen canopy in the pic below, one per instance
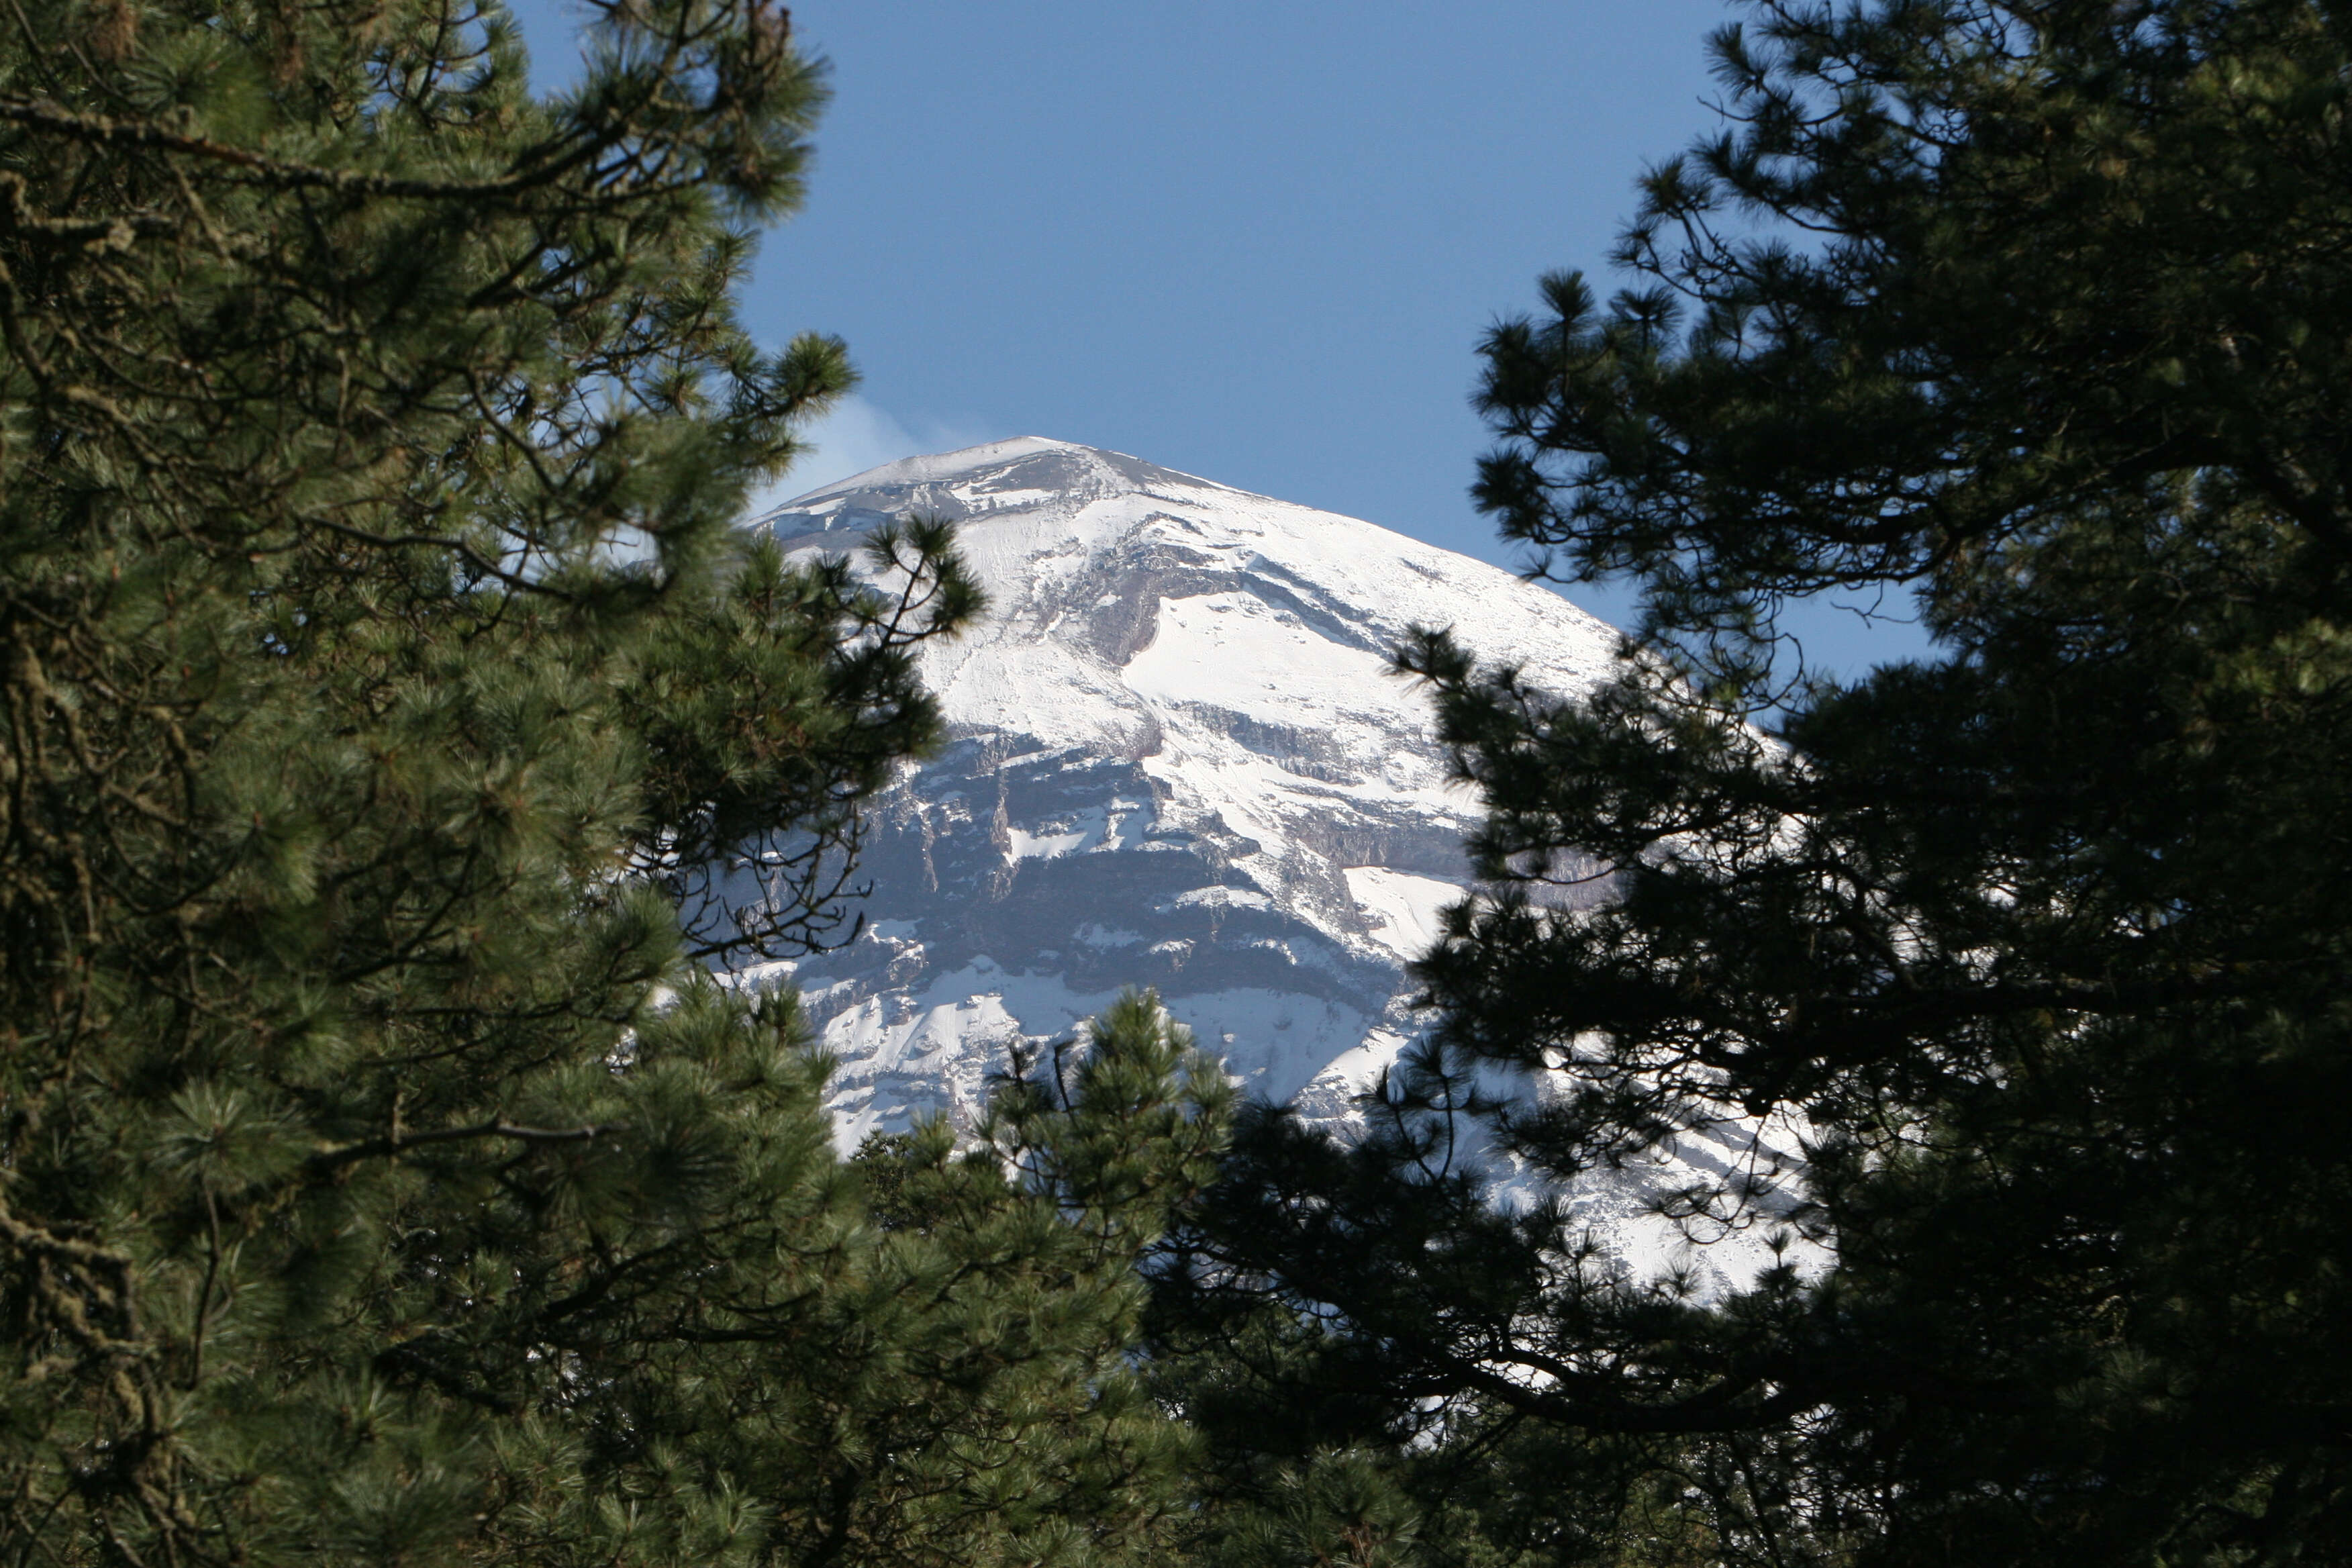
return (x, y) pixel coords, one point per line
(390, 718)
(2036, 318)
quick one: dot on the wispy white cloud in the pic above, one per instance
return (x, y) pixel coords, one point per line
(856, 436)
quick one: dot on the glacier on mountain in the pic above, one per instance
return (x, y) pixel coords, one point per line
(1177, 758)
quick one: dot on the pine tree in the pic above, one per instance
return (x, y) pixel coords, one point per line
(2036, 318)
(395, 724)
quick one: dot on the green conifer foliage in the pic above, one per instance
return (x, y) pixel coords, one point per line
(2036, 315)
(390, 719)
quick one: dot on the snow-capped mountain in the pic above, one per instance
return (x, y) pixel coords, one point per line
(1178, 758)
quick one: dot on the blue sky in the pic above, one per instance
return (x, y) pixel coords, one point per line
(1255, 240)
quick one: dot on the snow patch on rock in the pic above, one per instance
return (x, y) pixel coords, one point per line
(1178, 758)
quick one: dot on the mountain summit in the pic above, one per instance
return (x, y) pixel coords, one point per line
(1177, 758)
